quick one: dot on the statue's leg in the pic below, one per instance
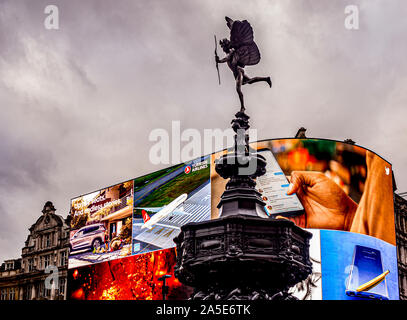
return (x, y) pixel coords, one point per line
(247, 80)
(239, 80)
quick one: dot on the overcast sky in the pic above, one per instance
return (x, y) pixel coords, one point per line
(78, 103)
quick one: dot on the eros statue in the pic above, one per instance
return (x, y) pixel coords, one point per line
(241, 51)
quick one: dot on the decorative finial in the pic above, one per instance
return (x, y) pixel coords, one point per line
(48, 207)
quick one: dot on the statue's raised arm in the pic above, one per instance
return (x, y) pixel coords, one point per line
(241, 51)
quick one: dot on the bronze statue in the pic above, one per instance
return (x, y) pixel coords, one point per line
(241, 51)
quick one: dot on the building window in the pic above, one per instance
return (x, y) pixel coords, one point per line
(47, 260)
(27, 292)
(47, 293)
(41, 289)
(48, 240)
(9, 265)
(12, 294)
(30, 265)
(3, 295)
(63, 258)
(61, 288)
(401, 254)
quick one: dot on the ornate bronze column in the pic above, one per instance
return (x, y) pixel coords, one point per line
(243, 254)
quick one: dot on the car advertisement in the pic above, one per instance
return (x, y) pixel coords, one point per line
(101, 225)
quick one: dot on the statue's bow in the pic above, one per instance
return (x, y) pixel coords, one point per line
(216, 58)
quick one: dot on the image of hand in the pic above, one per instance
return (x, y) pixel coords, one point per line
(375, 213)
(326, 205)
(348, 190)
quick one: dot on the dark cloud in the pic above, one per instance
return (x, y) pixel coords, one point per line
(78, 103)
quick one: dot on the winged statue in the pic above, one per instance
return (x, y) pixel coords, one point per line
(241, 51)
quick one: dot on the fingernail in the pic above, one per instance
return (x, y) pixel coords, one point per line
(290, 188)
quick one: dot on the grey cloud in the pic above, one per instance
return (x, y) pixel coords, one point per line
(79, 103)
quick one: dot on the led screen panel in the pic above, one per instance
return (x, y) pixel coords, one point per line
(337, 189)
(169, 200)
(122, 236)
(342, 194)
(101, 224)
(131, 278)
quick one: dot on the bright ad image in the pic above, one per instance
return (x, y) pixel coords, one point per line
(167, 201)
(343, 195)
(101, 225)
(339, 186)
(358, 267)
(147, 276)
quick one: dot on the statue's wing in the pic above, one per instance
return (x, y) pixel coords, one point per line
(241, 38)
(248, 55)
(241, 34)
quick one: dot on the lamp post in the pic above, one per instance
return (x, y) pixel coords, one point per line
(164, 287)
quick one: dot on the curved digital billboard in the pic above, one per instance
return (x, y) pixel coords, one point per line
(341, 193)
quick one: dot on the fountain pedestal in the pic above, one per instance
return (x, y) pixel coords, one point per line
(243, 254)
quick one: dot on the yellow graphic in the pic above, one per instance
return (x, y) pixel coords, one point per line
(372, 283)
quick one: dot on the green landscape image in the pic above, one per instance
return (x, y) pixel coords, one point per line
(181, 183)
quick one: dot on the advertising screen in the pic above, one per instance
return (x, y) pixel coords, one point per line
(273, 186)
(122, 236)
(101, 225)
(138, 277)
(170, 199)
(339, 192)
(343, 193)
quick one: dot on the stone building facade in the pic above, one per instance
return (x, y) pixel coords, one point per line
(45, 255)
(400, 208)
